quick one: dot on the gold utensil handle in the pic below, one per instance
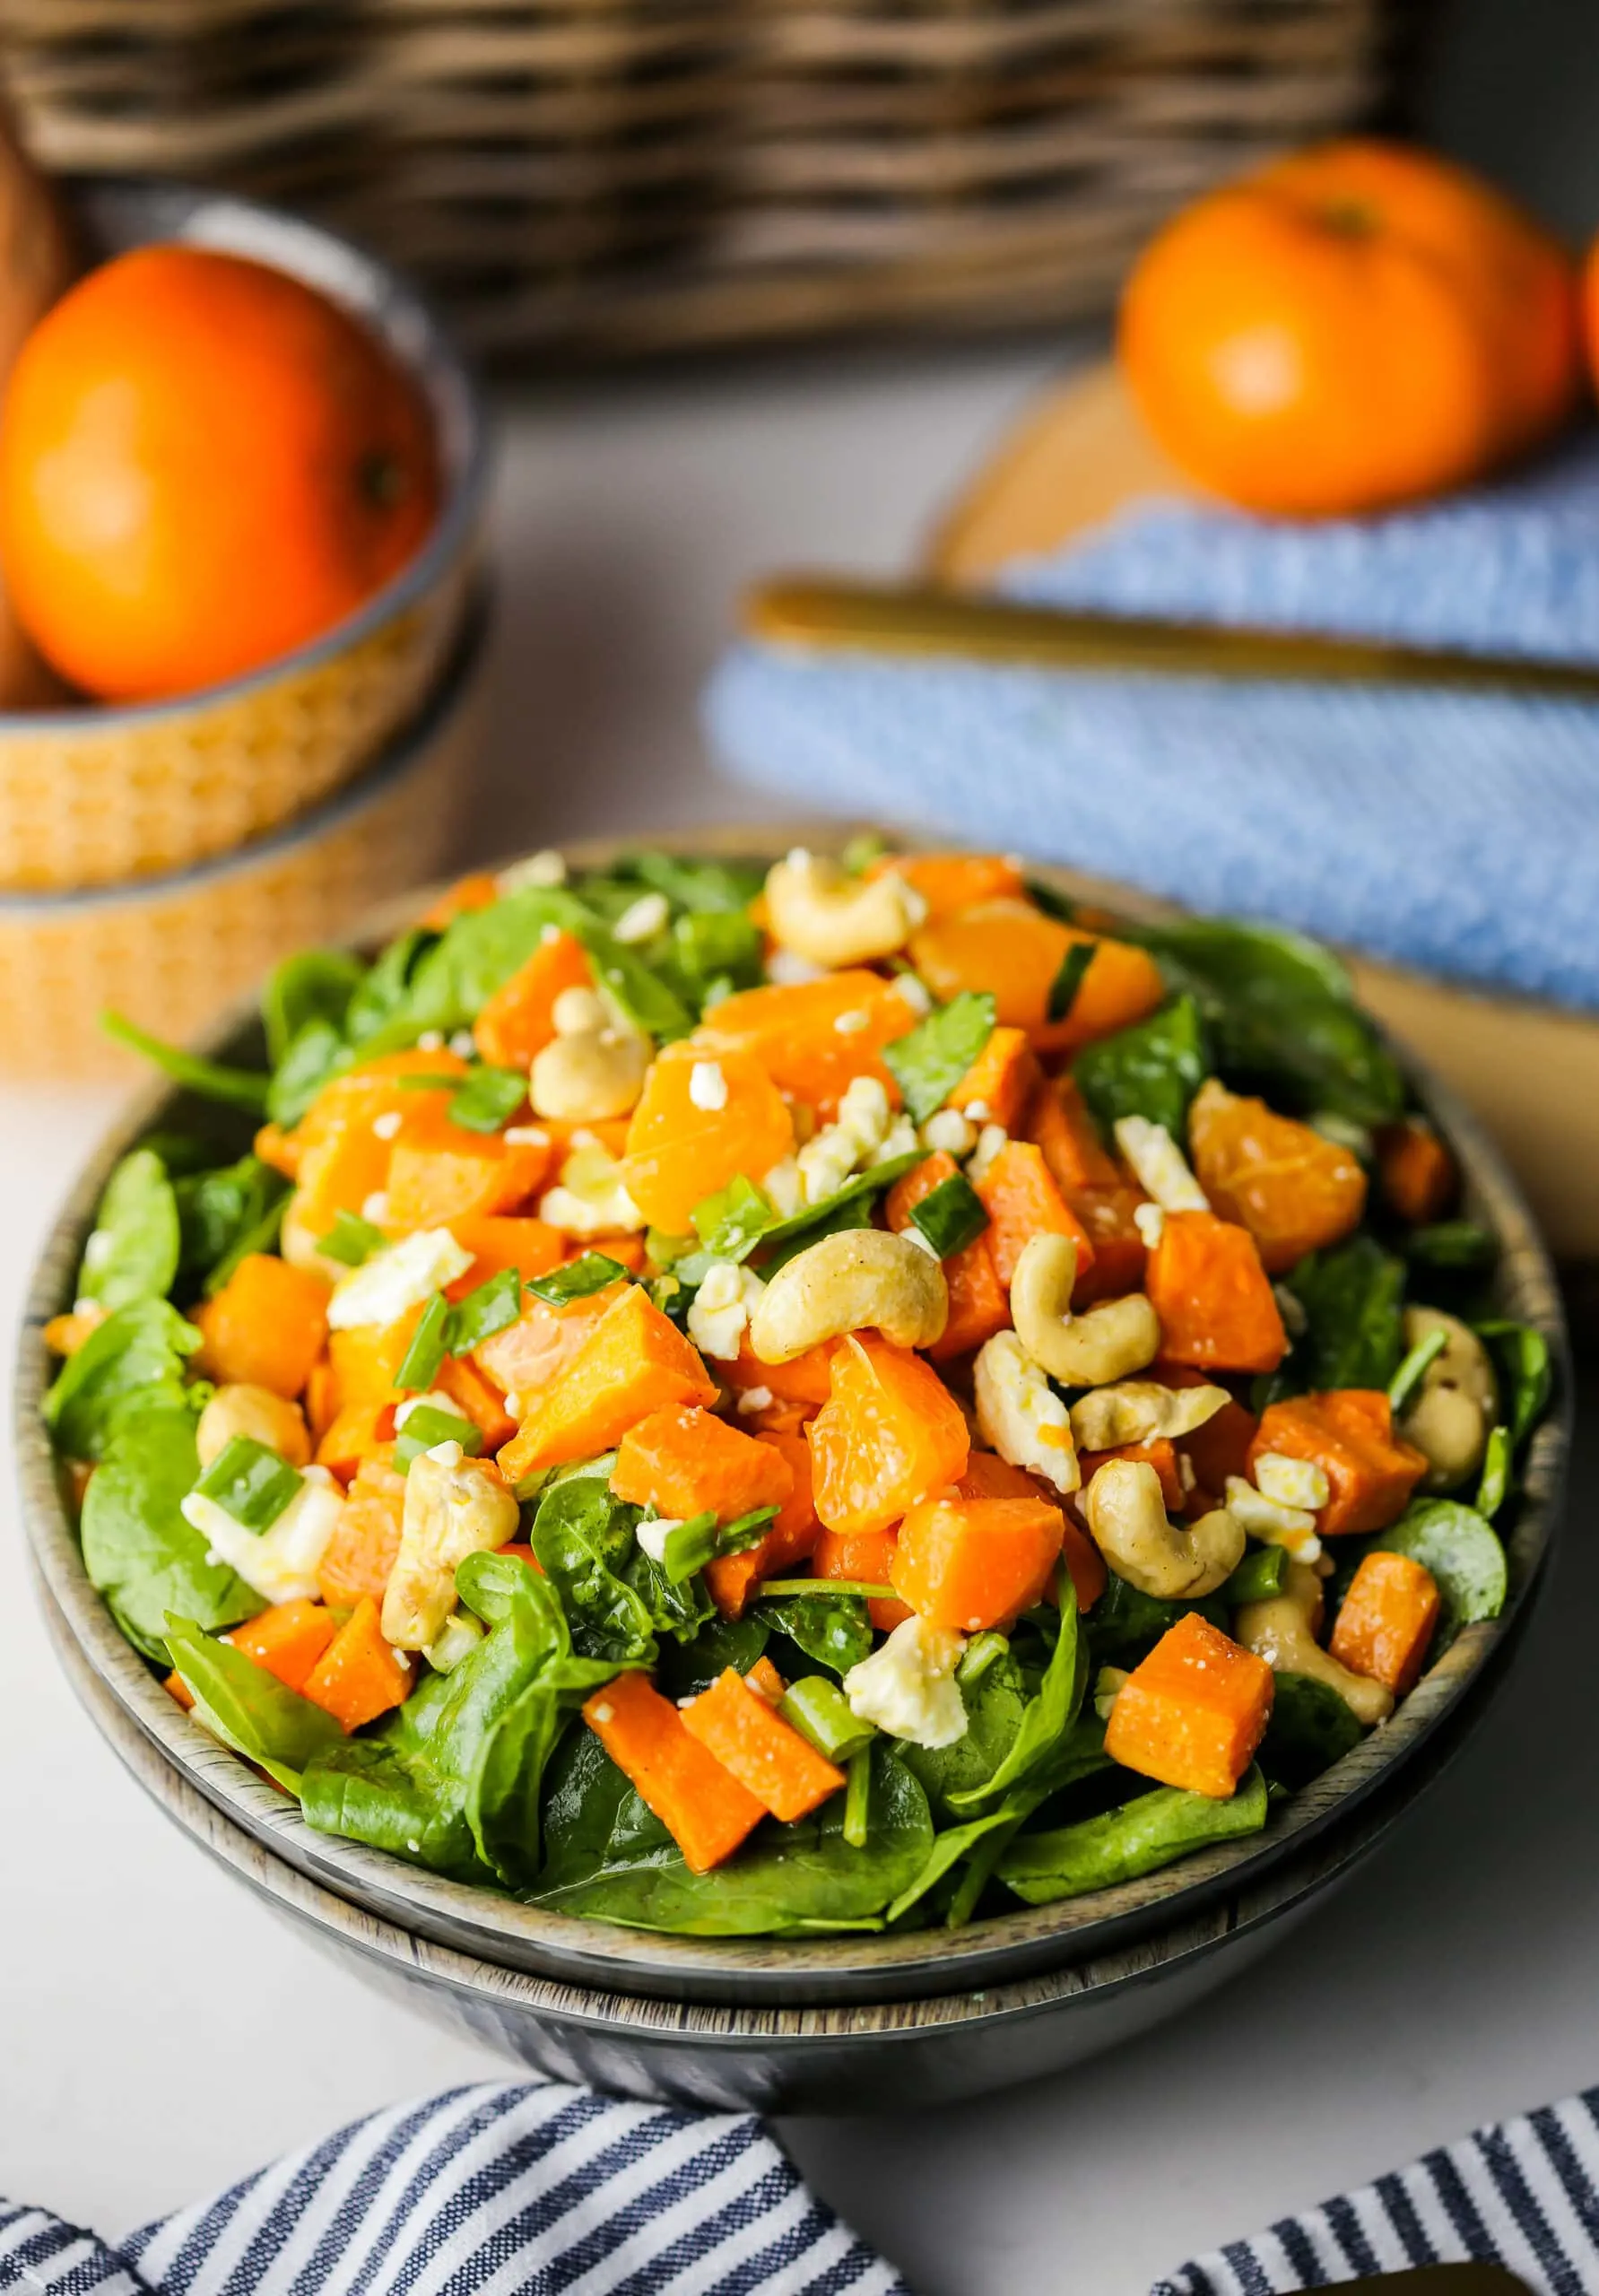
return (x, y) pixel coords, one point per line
(924, 622)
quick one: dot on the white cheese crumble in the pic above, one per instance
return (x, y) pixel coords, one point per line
(1160, 1167)
(650, 914)
(907, 1687)
(914, 992)
(431, 1040)
(755, 1399)
(707, 1086)
(786, 968)
(784, 1188)
(850, 1024)
(722, 1307)
(949, 1133)
(387, 1126)
(545, 868)
(1151, 1223)
(526, 1136)
(991, 1140)
(1020, 1414)
(591, 1198)
(463, 1044)
(1291, 1482)
(653, 1536)
(1293, 1527)
(404, 1276)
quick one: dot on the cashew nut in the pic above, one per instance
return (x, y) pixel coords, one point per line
(1457, 1403)
(1175, 1562)
(1020, 1415)
(589, 1075)
(1137, 1411)
(818, 910)
(454, 1508)
(861, 1279)
(242, 1409)
(1283, 1632)
(1086, 1350)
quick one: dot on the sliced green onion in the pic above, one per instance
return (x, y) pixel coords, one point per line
(1495, 1474)
(687, 1547)
(1411, 1373)
(825, 1588)
(744, 1530)
(250, 1482)
(1068, 980)
(950, 1216)
(857, 1799)
(820, 1712)
(579, 1280)
(427, 1426)
(351, 1241)
(487, 1099)
(238, 1087)
(492, 1307)
(418, 1366)
(1257, 1578)
(1454, 1244)
(983, 1651)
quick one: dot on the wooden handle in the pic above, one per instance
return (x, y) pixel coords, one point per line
(926, 621)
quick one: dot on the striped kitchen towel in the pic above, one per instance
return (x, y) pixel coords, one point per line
(528, 2187)
(1523, 2193)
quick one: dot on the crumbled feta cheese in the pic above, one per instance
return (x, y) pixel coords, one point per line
(784, 1188)
(1291, 1482)
(387, 1126)
(850, 1024)
(545, 868)
(607, 1713)
(977, 1112)
(526, 1136)
(652, 1536)
(1020, 1414)
(1184, 1472)
(463, 1044)
(514, 1408)
(447, 1454)
(375, 1207)
(1264, 1519)
(1151, 1223)
(786, 968)
(650, 914)
(404, 1276)
(282, 1562)
(1159, 1165)
(949, 1133)
(863, 1111)
(854, 1140)
(722, 1307)
(755, 1399)
(990, 1139)
(898, 1140)
(591, 1198)
(825, 1163)
(914, 992)
(707, 1086)
(907, 1687)
(431, 1040)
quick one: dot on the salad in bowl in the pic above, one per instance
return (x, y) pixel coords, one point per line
(772, 1401)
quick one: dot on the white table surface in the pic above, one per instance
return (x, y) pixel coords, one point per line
(159, 2033)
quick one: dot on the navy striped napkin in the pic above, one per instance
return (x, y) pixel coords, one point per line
(546, 2188)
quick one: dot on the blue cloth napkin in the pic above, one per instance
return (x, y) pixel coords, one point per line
(1456, 833)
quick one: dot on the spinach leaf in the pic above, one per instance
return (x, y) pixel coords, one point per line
(1126, 1623)
(785, 1878)
(848, 1206)
(313, 985)
(1282, 1017)
(995, 1707)
(687, 1668)
(443, 981)
(1462, 1552)
(646, 999)
(1310, 1729)
(316, 1053)
(732, 1222)
(584, 1540)
(709, 948)
(1451, 1247)
(387, 984)
(593, 1822)
(133, 1251)
(1079, 1756)
(1139, 1837)
(679, 1608)
(138, 1550)
(929, 1062)
(836, 1634)
(1526, 1376)
(238, 1088)
(221, 1212)
(1048, 1716)
(132, 1363)
(1353, 1297)
(1151, 1070)
(247, 1707)
(708, 888)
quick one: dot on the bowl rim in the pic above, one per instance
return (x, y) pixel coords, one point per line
(481, 1922)
(402, 317)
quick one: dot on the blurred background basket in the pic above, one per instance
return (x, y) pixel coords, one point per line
(609, 177)
(93, 795)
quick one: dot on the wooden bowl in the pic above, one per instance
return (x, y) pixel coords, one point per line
(758, 1981)
(93, 794)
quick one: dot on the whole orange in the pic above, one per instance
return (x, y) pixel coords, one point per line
(1357, 325)
(204, 464)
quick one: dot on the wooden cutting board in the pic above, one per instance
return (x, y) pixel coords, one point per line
(1530, 1070)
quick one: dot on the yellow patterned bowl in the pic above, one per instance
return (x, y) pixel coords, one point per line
(171, 951)
(90, 795)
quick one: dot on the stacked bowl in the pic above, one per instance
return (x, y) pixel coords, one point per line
(160, 857)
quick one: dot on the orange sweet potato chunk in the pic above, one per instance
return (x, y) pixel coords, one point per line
(813, 1037)
(701, 1805)
(1102, 1195)
(358, 1676)
(866, 1557)
(988, 1476)
(1349, 1432)
(1194, 1711)
(526, 1355)
(440, 1172)
(730, 1578)
(287, 1639)
(267, 1326)
(889, 1433)
(979, 1304)
(1020, 1198)
(633, 1361)
(679, 1151)
(1014, 951)
(359, 1556)
(767, 1756)
(1001, 1082)
(517, 1022)
(970, 1563)
(1416, 1172)
(1294, 1190)
(683, 1460)
(949, 881)
(1387, 1620)
(1214, 1298)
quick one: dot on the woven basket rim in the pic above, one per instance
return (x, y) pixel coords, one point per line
(130, 211)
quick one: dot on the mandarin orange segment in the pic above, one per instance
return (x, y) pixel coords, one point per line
(1295, 1190)
(813, 1037)
(1214, 1298)
(889, 1433)
(1012, 950)
(949, 881)
(519, 1019)
(701, 1121)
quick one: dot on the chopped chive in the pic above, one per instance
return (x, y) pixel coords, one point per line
(492, 1307)
(1068, 980)
(250, 1482)
(687, 1547)
(1495, 1474)
(950, 1216)
(1411, 1373)
(1257, 1578)
(488, 1100)
(983, 1651)
(238, 1087)
(579, 1280)
(418, 1366)
(826, 1588)
(351, 1241)
(821, 1713)
(857, 1799)
(427, 1426)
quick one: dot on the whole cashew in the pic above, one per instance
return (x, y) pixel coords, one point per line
(1086, 1350)
(861, 1279)
(1175, 1562)
(1136, 1410)
(454, 1508)
(1456, 1404)
(241, 1409)
(1283, 1632)
(818, 910)
(589, 1075)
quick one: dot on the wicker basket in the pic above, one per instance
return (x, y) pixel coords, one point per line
(617, 176)
(172, 951)
(93, 796)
